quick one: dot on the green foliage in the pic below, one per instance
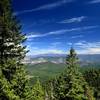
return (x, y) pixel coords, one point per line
(44, 71)
(71, 84)
(10, 37)
(13, 80)
(49, 90)
(14, 77)
(6, 91)
(38, 91)
(93, 78)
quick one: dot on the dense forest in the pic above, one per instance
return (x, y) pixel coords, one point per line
(71, 84)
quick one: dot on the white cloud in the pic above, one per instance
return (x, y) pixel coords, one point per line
(94, 50)
(87, 44)
(46, 7)
(30, 47)
(45, 51)
(55, 43)
(60, 31)
(94, 1)
(77, 36)
(89, 51)
(35, 50)
(74, 20)
(84, 47)
(81, 47)
(35, 36)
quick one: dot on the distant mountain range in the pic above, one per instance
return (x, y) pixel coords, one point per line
(60, 58)
(47, 55)
(51, 65)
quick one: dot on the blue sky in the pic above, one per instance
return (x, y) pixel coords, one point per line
(53, 26)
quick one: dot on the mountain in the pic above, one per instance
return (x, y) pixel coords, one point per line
(44, 70)
(46, 67)
(90, 57)
(60, 58)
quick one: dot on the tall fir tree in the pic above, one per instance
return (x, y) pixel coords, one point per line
(49, 90)
(92, 77)
(38, 91)
(10, 34)
(13, 79)
(71, 85)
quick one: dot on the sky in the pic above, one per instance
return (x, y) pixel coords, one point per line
(54, 26)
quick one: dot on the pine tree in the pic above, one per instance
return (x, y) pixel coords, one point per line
(49, 90)
(10, 35)
(6, 92)
(71, 85)
(13, 78)
(38, 91)
(92, 77)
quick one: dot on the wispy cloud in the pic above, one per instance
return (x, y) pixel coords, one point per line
(61, 31)
(46, 6)
(55, 43)
(45, 51)
(77, 36)
(95, 50)
(82, 47)
(87, 47)
(94, 1)
(84, 44)
(37, 49)
(74, 20)
(89, 51)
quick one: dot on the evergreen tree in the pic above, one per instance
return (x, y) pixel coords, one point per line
(71, 84)
(38, 91)
(10, 34)
(49, 90)
(13, 78)
(6, 92)
(92, 77)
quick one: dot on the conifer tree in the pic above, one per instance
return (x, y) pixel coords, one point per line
(92, 77)
(13, 79)
(38, 91)
(71, 85)
(11, 38)
(49, 90)
(6, 92)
